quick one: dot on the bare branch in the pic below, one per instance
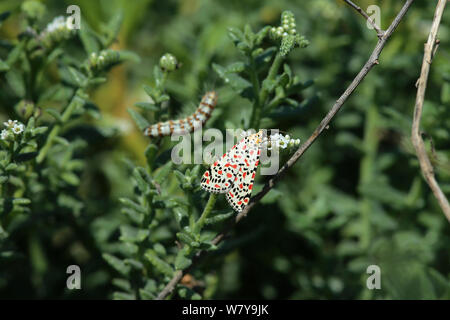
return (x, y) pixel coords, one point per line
(380, 32)
(373, 60)
(416, 137)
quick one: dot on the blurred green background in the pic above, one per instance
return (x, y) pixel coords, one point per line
(356, 197)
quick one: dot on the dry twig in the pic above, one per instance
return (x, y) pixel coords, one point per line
(372, 61)
(416, 137)
(372, 22)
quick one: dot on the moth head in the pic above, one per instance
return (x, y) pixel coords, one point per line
(259, 136)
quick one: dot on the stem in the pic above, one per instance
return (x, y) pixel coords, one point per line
(367, 172)
(274, 102)
(74, 104)
(161, 87)
(256, 90)
(260, 101)
(419, 146)
(208, 209)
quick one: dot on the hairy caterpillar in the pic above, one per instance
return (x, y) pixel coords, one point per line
(188, 124)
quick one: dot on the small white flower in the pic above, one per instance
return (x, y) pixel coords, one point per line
(57, 23)
(278, 141)
(18, 128)
(10, 123)
(5, 134)
(283, 143)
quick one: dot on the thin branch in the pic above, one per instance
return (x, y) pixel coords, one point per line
(373, 60)
(416, 137)
(372, 22)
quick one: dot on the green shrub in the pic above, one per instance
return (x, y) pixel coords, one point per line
(78, 186)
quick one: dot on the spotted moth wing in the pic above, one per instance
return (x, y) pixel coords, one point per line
(238, 195)
(220, 176)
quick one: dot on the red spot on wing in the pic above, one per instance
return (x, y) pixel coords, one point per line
(216, 186)
(229, 175)
(206, 174)
(253, 175)
(239, 203)
(241, 186)
(246, 200)
(231, 195)
(250, 187)
(245, 173)
(207, 181)
(234, 166)
(219, 172)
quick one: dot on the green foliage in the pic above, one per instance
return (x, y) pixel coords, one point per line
(77, 188)
(42, 159)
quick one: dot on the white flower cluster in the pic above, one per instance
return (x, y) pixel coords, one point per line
(278, 141)
(57, 24)
(275, 141)
(56, 31)
(12, 127)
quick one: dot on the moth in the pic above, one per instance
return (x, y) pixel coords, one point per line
(234, 173)
(188, 124)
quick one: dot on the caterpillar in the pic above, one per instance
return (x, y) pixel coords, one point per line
(188, 124)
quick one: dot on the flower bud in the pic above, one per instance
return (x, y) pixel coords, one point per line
(168, 62)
